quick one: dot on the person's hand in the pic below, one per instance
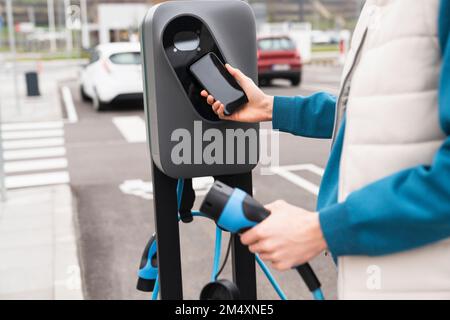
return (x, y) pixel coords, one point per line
(259, 106)
(289, 237)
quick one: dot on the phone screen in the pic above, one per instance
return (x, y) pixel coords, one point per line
(215, 78)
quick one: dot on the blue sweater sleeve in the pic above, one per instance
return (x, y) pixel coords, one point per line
(311, 117)
(406, 210)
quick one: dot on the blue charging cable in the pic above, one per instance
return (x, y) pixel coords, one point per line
(270, 277)
(155, 292)
(317, 294)
(217, 254)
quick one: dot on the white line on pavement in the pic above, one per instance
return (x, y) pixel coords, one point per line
(287, 173)
(35, 165)
(72, 115)
(38, 179)
(132, 128)
(31, 126)
(11, 135)
(308, 167)
(34, 153)
(144, 189)
(295, 179)
(33, 143)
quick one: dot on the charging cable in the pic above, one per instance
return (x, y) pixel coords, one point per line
(317, 294)
(217, 253)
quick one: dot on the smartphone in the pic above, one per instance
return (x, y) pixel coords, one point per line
(212, 75)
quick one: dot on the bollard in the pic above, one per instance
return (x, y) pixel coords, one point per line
(32, 82)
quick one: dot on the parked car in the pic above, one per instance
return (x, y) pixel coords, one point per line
(278, 57)
(113, 74)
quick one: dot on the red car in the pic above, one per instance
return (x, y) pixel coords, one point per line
(278, 58)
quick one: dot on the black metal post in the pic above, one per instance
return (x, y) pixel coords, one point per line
(168, 239)
(168, 236)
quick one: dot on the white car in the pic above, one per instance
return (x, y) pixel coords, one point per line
(114, 73)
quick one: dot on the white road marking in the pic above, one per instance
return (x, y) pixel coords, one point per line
(299, 181)
(38, 179)
(15, 135)
(34, 153)
(33, 147)
(144, 189)
(33, 143)
(71, 112)
(35, 165)
(132, 128)
(304, 167)
(287, 173)
(32, 126)
(138, 188)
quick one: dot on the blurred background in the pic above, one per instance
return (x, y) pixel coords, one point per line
(51, 27)
(75, 182)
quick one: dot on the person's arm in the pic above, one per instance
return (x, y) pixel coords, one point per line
(405, 210)
(311, 116)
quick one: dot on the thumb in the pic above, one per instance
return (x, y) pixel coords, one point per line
(236, 73)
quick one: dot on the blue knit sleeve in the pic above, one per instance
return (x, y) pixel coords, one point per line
(311, 116)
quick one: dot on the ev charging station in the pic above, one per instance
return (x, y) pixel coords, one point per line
(173, 36)
(178, 39)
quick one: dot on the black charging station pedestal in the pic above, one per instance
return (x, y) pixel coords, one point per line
(173, 36)
(168, 240)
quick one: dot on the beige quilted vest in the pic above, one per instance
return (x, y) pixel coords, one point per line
(392, 123)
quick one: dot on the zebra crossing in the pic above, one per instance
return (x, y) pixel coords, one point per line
(34, 154)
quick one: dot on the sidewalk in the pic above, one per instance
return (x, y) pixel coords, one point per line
(38, 252)
(32, 109)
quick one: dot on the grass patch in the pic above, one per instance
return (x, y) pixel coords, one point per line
(325, 48)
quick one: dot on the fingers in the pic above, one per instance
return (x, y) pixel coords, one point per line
(277, 263)
(221, 112)
(281, 266)
(210, 99)
(216, 105)
(263, 247)
(268, 257)
(261, 231)
(254, 235)
(219, 109)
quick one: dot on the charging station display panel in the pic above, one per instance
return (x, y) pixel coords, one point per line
(186, 137)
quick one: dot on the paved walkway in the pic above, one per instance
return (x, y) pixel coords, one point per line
(38, 252)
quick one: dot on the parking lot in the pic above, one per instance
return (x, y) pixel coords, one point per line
(109, 167)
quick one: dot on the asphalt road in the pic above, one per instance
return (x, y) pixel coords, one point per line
(109, 167)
